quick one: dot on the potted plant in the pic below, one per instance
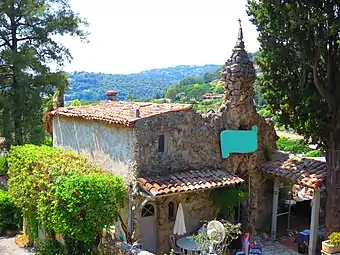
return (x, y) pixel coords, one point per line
(332, 245)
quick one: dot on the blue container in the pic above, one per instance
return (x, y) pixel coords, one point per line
(240, 253)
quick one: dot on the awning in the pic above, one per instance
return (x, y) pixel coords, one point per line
(307, 172)
(186, 181)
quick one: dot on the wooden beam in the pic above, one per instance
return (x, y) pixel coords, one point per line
(314, 225)
(276, 190)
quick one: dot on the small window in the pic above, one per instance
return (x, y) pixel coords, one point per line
(243, 127)
(148, 210)
(161, 144)
(171, 211)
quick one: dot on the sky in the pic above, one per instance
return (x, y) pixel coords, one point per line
(129, 36)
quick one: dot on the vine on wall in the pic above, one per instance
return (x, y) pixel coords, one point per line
(62, 192)
(228, 198)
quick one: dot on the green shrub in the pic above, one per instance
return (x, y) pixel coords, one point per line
(48, 140)
(51, 246)
(85, 204)
(10, 216)
(265, 113)
(313, 153)
(334, 238)
(292, 146)
(62, 191)
(3, 165)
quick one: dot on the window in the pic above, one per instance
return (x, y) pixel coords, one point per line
(171, 211)
(162, 144)
(243, 127)
(148, 210)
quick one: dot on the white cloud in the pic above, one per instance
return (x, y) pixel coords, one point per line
(134, 35)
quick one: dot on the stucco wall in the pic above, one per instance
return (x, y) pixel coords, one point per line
(112, 147)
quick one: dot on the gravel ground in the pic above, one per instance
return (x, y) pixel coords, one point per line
(8, 247)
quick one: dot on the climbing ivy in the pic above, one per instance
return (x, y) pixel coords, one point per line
(227, 199)
(62, 192)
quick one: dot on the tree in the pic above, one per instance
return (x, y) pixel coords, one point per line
(75, 102)
(210, 76)
(300, 61)
(27, 47)
(130, 97)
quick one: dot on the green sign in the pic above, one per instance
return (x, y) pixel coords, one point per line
(238, 141)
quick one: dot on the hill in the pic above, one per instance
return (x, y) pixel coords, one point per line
(142, 86)
(206, 92)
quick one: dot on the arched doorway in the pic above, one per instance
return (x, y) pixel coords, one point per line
(148, 227)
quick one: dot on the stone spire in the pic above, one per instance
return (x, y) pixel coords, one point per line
(239, 76)
(240, 42)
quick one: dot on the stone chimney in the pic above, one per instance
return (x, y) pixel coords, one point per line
(111, 95)
(238, 75)
(137, 113)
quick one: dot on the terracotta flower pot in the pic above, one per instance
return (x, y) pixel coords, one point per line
(330, 248)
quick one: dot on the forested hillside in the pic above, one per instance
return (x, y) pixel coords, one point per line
(191, 90)
(143, 86)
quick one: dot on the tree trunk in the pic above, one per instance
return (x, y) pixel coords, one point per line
(17, 91)
(333, 185)
(60, 98)
(17, 112)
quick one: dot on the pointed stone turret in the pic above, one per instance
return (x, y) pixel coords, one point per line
(239, 76)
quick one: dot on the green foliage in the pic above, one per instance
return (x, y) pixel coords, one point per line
(292, 146)
(97, 198)
(3, 165)
(232, 231)
(182, 93)
(142, 86)
(227, 199)
(51, 246)
(313, 153)
(172, 252)
(194, 87)
(27, 49)
(63, 192)
(265, 113)
(334, 238)
(191, 90)
(75, 102)
(10, 215)
(48, 140)
(300, 70)
(207, 105)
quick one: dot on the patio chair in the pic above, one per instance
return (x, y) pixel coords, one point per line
(174, 246)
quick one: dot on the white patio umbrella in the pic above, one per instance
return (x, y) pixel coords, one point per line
(179, 228)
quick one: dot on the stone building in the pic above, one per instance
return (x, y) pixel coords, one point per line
(169, 154)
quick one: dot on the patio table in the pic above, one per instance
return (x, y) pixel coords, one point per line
(186, 243)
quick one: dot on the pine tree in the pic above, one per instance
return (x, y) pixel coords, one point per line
(27, 47)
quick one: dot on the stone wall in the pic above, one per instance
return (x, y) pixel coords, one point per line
(196, 205)
(112, 147)
(193, 142)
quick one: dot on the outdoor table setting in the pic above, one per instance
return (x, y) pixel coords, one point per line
(188, 244)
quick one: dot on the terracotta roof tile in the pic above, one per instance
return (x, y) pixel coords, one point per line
(306, 172)
(118, 112)
(188, 181)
